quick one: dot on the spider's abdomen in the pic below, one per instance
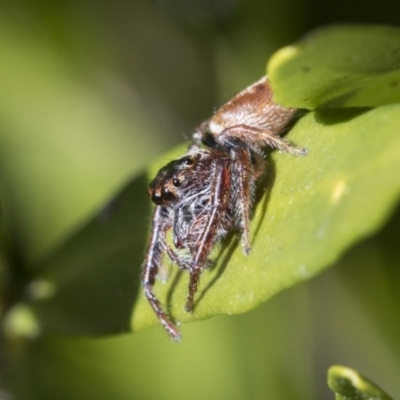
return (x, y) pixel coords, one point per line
(253, 107)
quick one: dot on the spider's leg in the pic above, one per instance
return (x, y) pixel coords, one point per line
(257, 138)
(219, 204)
(182, 264)
(160, 224)
(243, 191)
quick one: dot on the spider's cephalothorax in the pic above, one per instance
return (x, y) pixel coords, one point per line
(210, 191)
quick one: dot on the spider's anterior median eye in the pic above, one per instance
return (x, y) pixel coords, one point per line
(167, 195)
(176, 182)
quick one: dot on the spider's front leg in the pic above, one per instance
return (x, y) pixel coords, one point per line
(211, 222)
(151, 265)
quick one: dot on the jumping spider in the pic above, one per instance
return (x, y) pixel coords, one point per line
(210, 191)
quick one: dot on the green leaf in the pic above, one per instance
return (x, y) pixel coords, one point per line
(91, 283)
(312, 210)
(317, 207)
(350, 385)
(309, 211)
(351, 65)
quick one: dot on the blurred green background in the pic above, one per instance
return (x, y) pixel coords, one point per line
(90, 94)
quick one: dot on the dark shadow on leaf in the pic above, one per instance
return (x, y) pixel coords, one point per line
(332, 116)
(222, 261)
(263, 193)
(175, 282)
(95, 275)
(337, 102)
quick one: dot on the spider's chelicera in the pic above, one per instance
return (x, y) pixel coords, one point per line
(210, 191)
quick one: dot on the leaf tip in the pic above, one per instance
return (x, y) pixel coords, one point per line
(280, 57)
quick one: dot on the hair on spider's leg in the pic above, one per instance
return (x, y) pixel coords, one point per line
(161, 314)
(257, 138)
(175, 258)
(150, 269)
(193, 284)
(219, 204)
(281, 144)
(244, 183)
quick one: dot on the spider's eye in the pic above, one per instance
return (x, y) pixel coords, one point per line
(167, 195)
(188, 161)
(176, 182)
(156, 198)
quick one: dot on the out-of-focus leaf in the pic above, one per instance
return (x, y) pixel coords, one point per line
(91, 284)
(350, 385)
(64, 143)
(354, 65)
